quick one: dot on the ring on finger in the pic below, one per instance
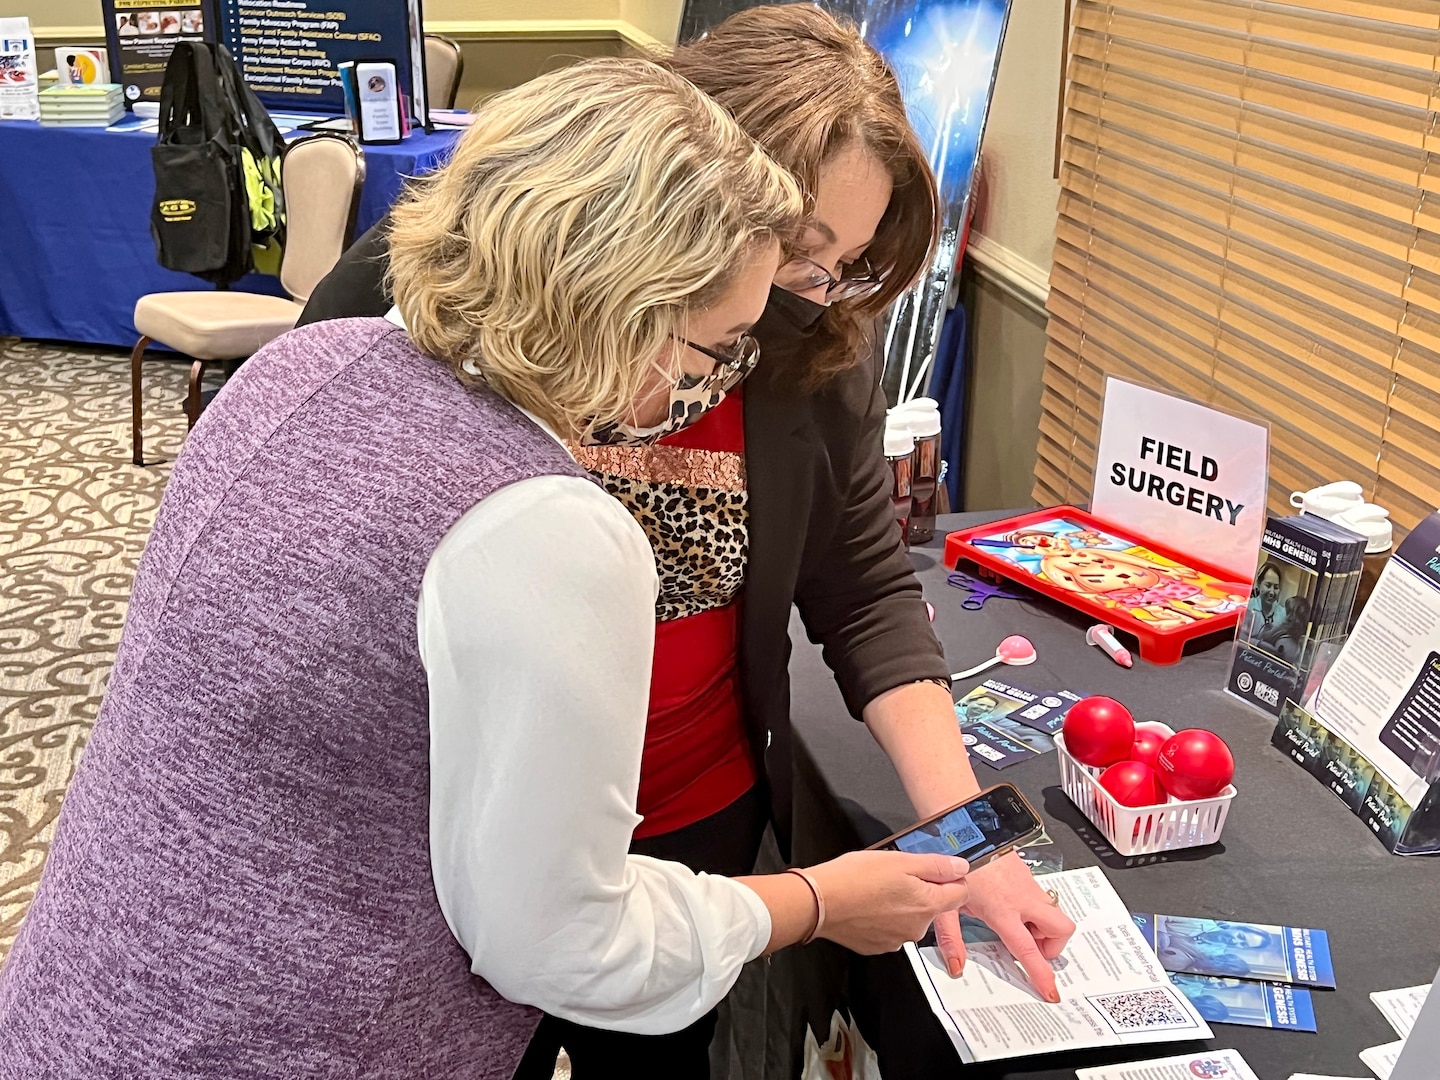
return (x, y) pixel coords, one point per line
(1054, 897)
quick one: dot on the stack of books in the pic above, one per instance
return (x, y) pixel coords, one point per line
(1299, 609)
(94, 105)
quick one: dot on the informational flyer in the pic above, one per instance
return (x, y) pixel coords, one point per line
(1029, 717)
(1371, 730)
(141, 34)
(1382, 695)
(1211, 1065)
(19, 81)
(1381, 1059)
(1240, 950)
(1113, 991)
(1401, 1007)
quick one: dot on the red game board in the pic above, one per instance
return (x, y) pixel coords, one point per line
(1157, 595)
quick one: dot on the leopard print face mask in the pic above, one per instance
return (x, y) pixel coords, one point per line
(692, 397)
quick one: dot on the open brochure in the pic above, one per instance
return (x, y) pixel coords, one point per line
(1113, 991)
(1211, 1065)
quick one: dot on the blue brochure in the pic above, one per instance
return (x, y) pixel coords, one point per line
(1223, 1000)
(994, 748)
(1027, 716)
(1240, 950)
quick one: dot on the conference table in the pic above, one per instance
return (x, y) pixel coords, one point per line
(75, 206)
(1290, 853)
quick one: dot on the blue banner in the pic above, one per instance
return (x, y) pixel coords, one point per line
(289, 51)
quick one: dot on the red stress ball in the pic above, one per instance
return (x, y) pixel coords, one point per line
(1146, 748)
(1099, 731)
(1133, 784)
(1195, 764)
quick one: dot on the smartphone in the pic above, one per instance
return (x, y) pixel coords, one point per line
(982, 828)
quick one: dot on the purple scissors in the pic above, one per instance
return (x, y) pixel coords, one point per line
(980, 591)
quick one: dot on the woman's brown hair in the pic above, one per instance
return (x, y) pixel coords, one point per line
(805, 85)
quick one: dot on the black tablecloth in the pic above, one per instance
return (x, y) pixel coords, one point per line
(1291, 853)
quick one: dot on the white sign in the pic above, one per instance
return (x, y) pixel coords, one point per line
(19, 82)
(1183, 474)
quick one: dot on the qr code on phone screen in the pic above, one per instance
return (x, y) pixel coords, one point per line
(1142, 1010)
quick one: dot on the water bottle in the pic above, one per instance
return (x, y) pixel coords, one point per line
(900, 455)
(924, 424)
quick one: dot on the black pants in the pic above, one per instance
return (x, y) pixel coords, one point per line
(725, 843)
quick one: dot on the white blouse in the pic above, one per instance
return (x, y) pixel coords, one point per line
(537, 624)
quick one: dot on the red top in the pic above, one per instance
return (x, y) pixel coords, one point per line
(696, 760)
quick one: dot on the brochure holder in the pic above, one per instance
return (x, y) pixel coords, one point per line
(1370, 730)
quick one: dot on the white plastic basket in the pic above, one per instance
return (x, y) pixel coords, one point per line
(1142, 830)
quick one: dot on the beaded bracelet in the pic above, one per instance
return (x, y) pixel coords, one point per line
(819, 903)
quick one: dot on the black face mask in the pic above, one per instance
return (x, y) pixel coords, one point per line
(785, 311)
(786, 331)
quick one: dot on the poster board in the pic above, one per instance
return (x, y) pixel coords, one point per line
(948, 102)
(290, 51)
(1371, 730)
(1422, 1046)
(140, 35)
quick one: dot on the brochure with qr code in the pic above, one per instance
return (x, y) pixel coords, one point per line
(1211, 1065)
(1113, 991)
(1240, 950)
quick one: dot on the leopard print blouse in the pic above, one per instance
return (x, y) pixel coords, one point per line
(692, 505)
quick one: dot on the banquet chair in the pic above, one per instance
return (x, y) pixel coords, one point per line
(444, 64)
(321, 177)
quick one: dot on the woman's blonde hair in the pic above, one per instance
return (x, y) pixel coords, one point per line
(581, 217)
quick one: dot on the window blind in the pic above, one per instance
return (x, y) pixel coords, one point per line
(1250, 215)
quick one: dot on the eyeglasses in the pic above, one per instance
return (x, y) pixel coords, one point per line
(856, 281)
(733, 363)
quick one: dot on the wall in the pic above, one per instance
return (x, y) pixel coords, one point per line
(1008, 262)
(500, 50)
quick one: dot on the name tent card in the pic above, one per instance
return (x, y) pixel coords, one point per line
(1186, 475)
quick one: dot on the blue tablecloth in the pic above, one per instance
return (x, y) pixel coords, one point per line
(75, 226)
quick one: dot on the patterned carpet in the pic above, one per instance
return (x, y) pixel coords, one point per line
(74, 516)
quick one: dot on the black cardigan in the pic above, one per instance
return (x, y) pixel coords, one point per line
(822, 531)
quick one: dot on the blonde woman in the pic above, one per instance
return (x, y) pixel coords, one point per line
(293, 846)
(779, 500)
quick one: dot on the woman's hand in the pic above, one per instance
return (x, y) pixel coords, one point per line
(876, 901)
(1006, 898)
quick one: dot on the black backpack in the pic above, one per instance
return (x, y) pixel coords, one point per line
(217, 169)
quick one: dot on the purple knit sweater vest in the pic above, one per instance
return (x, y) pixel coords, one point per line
(240, 885)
